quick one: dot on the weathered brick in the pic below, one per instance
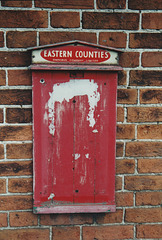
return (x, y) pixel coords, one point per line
(23, 19)
(143, 182)
(149, 231)
(119, 149)
(15, 133)
(18, 115)
(125, 166)
(115, 217)
(2, 186)
(14, 59)
(1, 39)
(150, 165)
(148, 198)
(124, 199)
(152, 21)
(145, 40)
(19, 151)
(141, 215)
(3, 220)
(98, 20)
(122, 78)
(65, 19)
(76, 4)
(68, 233)
(106, 4)
(1, 151)
(149, 131)
(113, 39)
(118, 183)
(19, 3)
(22, 185)
(107, 232)
(145, 78)
(54, 37)
(145, 4)
(125, 131)
(17, 39)
(22, 219)
(120, 114)
(16, 168)
(2, 78)
(15, 203)
(144, 114)
(25, 234)
(152, 59)
(1, 115)
(19, 77)
(127, 96)
(129, 59)
(144, 149)
(66, 219)
(16, 97)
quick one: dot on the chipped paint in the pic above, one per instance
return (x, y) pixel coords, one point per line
(76, 156)
(52, 195)
(68, 90)
(95, 131)
(87, 155)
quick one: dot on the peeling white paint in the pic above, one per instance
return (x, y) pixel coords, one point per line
(76, 156)
(68, 90)
(87, 155)
(95, 131)
(52, 195)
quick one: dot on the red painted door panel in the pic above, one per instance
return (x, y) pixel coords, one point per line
(74, 141)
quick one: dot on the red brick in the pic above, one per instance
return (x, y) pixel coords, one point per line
(115, 217)
(145, 40)
(76, 4)
(2, 78)
(15, 133)
(122, 78)
(19, 77)
(118, 183)
(19, 3)
(22, 185)
(100, 20)
(152, 21)
(113, 39)
(125, 166)
(1, 39)
(119, 149)
(1, 115)
(68, 233)
(18, 115)
(150, 165)
(129, 59)
(2, 186)
(144, 114)
(149, 231)
(16, 168)
(54, 37)
(127, 96)
(124, 199)
(65, 19)
(143, 182)
(142, 215)
(144, 149)
(145, 78)
(3, 220)
(21, 39)
(23, 19)
(152, 59)
(66, 219)
(1, 151)
(108, 4)
(149, 132)
(14, 59)
(145, 4)
(22, 219)
(120, 114)
(107, 232)
(16, 97)
(148, 198)
(19, 151)
(15, 203)
(151, 96)
(32, 234)
(125, 131)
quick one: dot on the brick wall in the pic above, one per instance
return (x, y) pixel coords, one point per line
(132, 26)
